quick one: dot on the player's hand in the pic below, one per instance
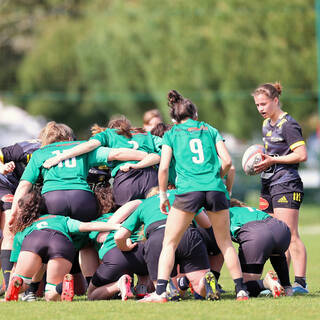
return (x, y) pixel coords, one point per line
(126, 167)
(129, 245)
(266, 163)
(51, 162)
(164, 202)
(7, 167)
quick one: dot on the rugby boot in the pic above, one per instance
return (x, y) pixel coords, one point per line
(12, 293)
(67, 288)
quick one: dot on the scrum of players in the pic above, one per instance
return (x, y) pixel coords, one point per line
(147, 212)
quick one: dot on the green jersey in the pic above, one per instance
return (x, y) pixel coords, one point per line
(65, 225)
(109, 243)
(70, 174)
(138, 141)
(193, 145)
(242, 215)
(147, 213)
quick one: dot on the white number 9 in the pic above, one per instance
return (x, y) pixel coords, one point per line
(196, 147)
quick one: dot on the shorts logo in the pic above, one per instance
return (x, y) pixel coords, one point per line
(7, 198)
(263, 204)
(297, 196)
(283, 200)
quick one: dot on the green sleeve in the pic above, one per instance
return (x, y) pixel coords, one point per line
(73, 225)
(215, 134)
(99, 156)
(166, 139)
(157, 143)
(102, 137)
(132, 223)
(32, 170)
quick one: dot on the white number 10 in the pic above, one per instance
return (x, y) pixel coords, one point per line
(69, 163)
(196, 147)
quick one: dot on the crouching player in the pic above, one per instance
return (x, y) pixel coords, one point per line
(261, 237)
(45, 240)
(191, 254)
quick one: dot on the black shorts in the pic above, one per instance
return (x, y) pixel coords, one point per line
(191, 253)
(283, 195)
(193, 201)
(76, 204)
(210, 241)
(134, 184)
(49, 244)
(6, 198)
(116, 263)
(260, 239)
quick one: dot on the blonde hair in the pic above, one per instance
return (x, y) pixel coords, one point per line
(55, 132)
(150, 114)
(271, 90)
(95, 129)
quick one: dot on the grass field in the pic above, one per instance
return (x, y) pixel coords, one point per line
(298, 307)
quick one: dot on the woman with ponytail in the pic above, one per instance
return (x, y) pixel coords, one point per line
(282, 188)
(196, 147)
(45, 239)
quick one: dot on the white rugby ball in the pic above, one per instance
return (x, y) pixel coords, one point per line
(251, 157)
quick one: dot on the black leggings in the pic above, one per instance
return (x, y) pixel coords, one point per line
(76, 204)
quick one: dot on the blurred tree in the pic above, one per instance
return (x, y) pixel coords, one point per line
(105, 57)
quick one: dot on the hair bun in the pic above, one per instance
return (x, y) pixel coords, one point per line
(174, 97)
(278, 87)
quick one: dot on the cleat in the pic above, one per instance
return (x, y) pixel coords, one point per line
(12, 293)
(299, 289)
(67, 288)
(28, 297)
(140, 291)
(265, 293)
(172, 292)
(270, 282)
(210, 284)
(242, 295)
(191, 288)
(124, 285)
(220, 289)
(288, 291)
(154, 297)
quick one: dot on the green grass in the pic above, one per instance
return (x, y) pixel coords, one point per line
(298, 307)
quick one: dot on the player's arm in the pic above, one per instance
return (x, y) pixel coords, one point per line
(163, 174)
(150, 160)
(23, 188)
(122, 239)
(125, 154)
(73, 152)
(98, 226)
(230, 179)
(203, 220)
(124, 211)
(224, 155)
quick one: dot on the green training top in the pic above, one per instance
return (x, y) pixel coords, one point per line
(197, 162)
(109, 243)
(139, 141)
(147, 213)
(70, 174)
(65, 225)
(242, 215)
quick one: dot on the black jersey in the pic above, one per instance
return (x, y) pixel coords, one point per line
(20, 153)
(281, 139)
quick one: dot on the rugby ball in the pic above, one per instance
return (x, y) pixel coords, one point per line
(251, 157)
